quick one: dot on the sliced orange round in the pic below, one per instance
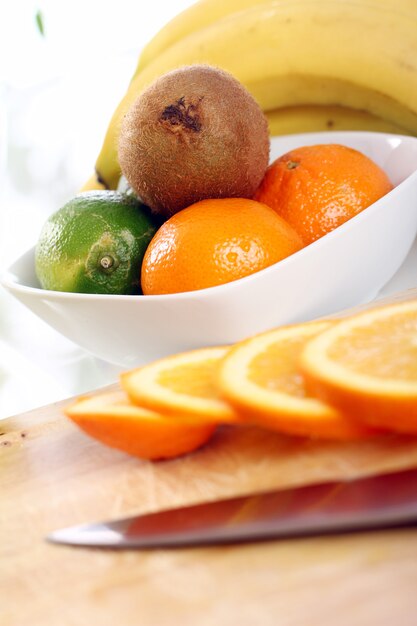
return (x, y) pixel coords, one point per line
(367, 366)
(183, 383)
(113, 420)
(261, 379)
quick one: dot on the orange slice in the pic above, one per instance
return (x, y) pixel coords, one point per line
(184, 383)
(367, 365)
(113, 420)
(261, 379)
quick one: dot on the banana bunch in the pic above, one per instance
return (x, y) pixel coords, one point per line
(311, 65)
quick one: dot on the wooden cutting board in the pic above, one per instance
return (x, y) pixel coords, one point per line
(52, 475)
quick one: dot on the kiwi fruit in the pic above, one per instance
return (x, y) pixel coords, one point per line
(194, 133)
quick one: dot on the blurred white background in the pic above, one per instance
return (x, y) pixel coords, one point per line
(57, 93)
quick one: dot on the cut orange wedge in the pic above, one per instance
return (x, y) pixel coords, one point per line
(261, 379)
(113, 420)
(367, 366)
(181, 384)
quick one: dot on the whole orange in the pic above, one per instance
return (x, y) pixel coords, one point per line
(317, 188)
(214, 242)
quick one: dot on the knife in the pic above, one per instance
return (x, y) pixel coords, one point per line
(383, 501)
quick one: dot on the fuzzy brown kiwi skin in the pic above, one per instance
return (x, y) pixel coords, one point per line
(195, 133)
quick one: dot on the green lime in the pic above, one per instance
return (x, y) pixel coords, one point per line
(95, 244)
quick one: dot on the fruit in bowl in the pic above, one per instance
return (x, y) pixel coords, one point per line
(214, 242)
(346, 267)
(196, 134)
(94, 244)
(318, 188)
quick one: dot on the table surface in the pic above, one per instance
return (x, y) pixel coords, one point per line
(52, 476)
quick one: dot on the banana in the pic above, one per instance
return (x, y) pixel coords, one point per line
(92, 183)
(206, 12)
(292, 54)
(315, 118)
(197, 16)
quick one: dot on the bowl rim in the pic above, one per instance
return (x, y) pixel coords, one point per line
(8, 276)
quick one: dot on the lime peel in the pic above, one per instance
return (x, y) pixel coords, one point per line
(95, 244)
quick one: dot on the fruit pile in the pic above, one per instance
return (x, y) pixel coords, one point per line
(341, 380)
(203, 207)
(311, 65)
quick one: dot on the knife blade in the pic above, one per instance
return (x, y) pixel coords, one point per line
(383, 501)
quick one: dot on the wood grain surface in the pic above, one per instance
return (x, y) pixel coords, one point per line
(52, 475)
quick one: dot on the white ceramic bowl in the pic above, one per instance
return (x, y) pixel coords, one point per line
(344, 268)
